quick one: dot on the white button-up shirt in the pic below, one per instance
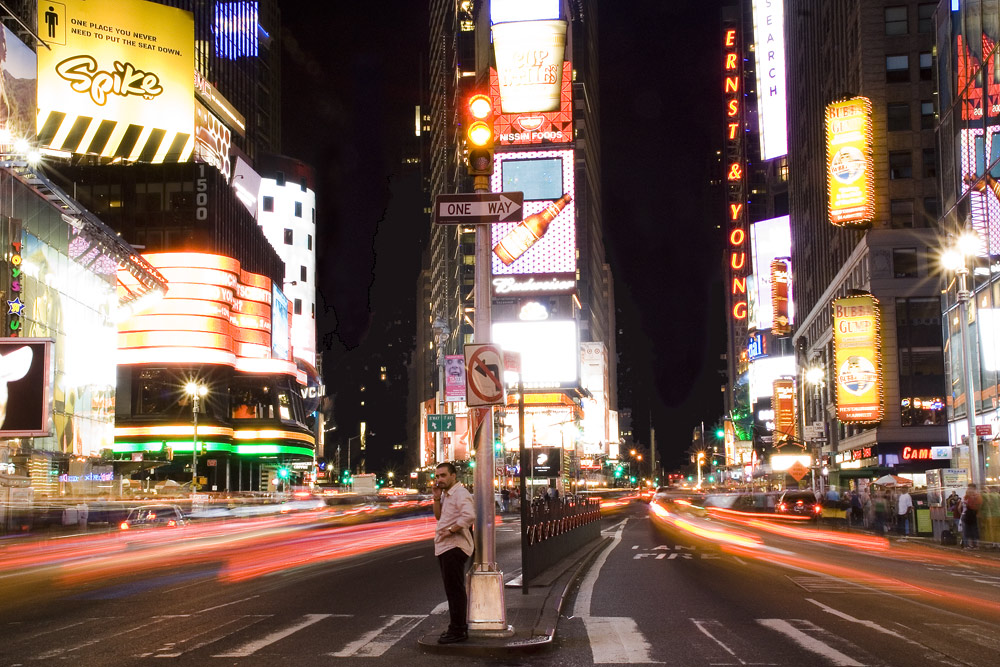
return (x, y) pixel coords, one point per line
(457, 510)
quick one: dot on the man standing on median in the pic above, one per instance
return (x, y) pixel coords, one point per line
(455, 514)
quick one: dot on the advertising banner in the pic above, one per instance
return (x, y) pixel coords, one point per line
(857, 353)
(551, 127)
(529, 56)
(781, 278)
(545, 241)
(17, 104)
(769, 49)
(117, 79)
(26, 374)
(783, 403)
(850, 181)
(769, 239)
(454, 377)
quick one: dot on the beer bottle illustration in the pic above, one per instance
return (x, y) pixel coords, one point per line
(525, 234)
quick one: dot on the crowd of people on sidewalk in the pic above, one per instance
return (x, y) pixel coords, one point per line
(974, 515)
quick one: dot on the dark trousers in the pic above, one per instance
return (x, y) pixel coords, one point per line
(452, 564)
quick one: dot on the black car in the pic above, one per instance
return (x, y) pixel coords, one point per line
(154, 516)
(803, 503)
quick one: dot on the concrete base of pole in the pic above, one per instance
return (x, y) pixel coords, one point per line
(487, 611)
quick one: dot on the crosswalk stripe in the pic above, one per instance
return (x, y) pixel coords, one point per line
(252, 647)
(90, 642)
(616, 640)
(972, 633)
(380, 640)
(177, 649)
(809, 642)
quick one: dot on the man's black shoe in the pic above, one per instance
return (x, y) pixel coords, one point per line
(452, 637)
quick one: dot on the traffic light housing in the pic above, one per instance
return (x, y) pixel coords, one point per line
(479, 134)
(283, 473)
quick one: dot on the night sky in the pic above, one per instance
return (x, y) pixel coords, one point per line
(351, 79)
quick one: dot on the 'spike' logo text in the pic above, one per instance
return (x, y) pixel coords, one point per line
(84, 77)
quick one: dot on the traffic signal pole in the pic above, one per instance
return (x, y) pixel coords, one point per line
(487, 608)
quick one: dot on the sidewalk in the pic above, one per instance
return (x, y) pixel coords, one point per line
(533, 616)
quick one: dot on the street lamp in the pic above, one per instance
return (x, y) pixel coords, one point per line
(196, 392)
(955, 258)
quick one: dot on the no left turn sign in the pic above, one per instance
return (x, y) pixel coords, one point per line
(484, 374)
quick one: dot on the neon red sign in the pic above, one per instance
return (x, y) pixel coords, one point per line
(734, 166)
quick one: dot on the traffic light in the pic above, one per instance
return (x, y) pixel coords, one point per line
(479, 134)
(283, 473)
(720, 433)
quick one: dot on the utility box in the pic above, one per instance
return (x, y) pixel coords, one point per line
(365, 484)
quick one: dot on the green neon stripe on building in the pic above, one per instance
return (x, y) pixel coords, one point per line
(185, 446)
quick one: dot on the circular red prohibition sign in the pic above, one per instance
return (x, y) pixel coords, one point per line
(477, 368)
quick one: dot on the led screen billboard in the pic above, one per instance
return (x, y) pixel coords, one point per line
(769, 50)
(521, 129)
(857, 358)
(850, 180)
(769, 239)
(545, 241)
(280, 344)
(550, 350)
(17, 105)
(502, 11)
(763, 372)
(783, 404)
(117, 79)
(529, 58)
(537, 179)
(26, 374)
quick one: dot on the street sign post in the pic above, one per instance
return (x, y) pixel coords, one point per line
(481, 208)
(442, 423)
(484, 374)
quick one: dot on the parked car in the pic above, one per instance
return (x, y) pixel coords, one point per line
(154, 516)
(803, 503)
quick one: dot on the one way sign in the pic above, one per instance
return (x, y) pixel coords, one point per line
(479, 209)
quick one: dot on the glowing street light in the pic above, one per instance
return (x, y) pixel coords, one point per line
(955, 258)
(196, 392)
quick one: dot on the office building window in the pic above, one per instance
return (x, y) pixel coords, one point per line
(268, 204)
(900, 164)
(309, 241)
(298, 306)
(926, 115)
(298, 209)
(921, 361)
(303, 273)
(904, 262)
(902, 213)
(932, 211)
(280, 178)
(897, 69)
(925, 17)
(929, 163)
(289, 237)
(898, 117)
(926, 66)
(895, 20)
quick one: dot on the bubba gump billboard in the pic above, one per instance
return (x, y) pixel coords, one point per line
(850, 182)
(857, 355)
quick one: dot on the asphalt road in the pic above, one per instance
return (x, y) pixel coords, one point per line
(291, 590)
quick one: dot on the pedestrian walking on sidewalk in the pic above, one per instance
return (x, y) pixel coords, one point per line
(453, 545)
(970, 517)
(905, 504)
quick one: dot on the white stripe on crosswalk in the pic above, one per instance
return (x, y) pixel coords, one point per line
(207, 636)
(252, 647)
(809, 642)
(616, 640)
(380, 640)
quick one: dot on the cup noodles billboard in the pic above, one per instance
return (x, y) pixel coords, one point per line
(857, 357)
(117, 79)
(850, 181)
(545, 241)
(522, 129)
(529, 57)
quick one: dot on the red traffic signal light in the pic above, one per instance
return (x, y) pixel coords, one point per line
(479, 134)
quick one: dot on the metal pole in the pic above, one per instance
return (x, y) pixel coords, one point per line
(525, 467)
(194, 446)
(970, 388)
(487, 611)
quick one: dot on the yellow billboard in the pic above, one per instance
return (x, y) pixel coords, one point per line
(857, 354)
(117, 79)
(850, 182)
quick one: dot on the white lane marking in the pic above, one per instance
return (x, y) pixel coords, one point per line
(616, 640)
(700, 624)
(977, 634)
(176, 651)
(440, 609)
(220, 606)
(252, 647)
(869, 624)
(586, 593)
(380, 640)
(808, 642)
(130, 631)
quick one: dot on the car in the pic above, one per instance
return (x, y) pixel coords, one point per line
(154, 516)
(802, 503)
